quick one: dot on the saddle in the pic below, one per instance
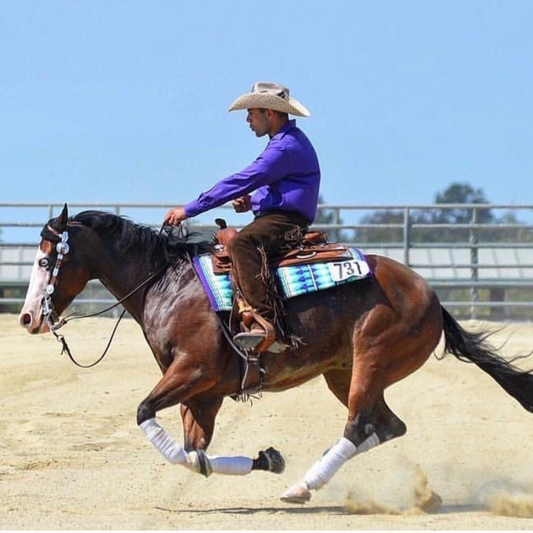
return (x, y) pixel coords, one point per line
(313, 248)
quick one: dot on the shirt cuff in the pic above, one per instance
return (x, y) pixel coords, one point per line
(192, 209)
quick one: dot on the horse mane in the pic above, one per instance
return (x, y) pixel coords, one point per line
(164, 247)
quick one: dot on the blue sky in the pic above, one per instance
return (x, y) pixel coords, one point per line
(126, 101)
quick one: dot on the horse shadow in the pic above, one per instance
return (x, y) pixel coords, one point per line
(339, 510)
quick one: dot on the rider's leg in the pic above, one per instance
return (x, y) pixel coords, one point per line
(249, 251)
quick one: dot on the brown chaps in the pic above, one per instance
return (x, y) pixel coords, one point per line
(269, 235)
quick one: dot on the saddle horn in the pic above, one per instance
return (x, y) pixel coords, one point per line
(221, 223)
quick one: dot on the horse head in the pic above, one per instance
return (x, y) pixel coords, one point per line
(57, 276)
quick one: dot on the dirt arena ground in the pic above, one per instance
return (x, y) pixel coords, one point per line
(72, 457)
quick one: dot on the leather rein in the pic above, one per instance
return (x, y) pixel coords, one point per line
(55, 322)
(50, 314)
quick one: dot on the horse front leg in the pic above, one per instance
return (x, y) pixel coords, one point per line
(198, 416)
(176, 386)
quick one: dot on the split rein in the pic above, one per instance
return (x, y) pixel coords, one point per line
(55, 322)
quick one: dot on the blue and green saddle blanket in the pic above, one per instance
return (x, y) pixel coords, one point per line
(292, 280)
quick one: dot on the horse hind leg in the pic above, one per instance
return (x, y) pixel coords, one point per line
(373, 424)
(389, 425)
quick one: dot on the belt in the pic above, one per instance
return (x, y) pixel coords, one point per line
(260, 214)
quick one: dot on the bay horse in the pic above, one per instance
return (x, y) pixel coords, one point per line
(362, 337)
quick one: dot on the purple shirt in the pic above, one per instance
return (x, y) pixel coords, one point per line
(285, 177)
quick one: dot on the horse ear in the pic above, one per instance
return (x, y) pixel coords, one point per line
(62, 219)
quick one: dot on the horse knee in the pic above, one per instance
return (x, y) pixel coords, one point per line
(144, 412)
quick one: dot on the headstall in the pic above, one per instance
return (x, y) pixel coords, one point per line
(62, 249)
(50, 314)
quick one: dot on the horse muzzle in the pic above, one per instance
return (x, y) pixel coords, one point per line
(34, 322)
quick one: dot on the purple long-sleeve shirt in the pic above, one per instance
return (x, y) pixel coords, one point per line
(285, 177)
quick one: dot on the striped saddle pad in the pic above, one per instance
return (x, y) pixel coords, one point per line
(292, 280)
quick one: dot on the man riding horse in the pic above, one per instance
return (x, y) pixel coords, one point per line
(285, 181)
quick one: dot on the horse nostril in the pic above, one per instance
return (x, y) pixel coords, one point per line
(25, 320)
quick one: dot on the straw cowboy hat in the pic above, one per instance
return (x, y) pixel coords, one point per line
(269, 95)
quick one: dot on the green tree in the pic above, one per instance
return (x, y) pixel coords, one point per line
(461, 193)
(456, 193)
(497, 228)
(384, 234)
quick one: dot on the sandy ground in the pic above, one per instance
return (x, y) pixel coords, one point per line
(72, 457)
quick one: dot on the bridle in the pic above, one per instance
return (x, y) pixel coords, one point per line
(62, 249)
(49, 312)
(55, 322)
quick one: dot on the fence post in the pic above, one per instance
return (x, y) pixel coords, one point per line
(474, 261)
(337, 221)
(406, 235)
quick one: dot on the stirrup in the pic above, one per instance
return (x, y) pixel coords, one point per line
(249, 340)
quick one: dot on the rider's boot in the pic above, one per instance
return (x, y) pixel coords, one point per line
(259, 336)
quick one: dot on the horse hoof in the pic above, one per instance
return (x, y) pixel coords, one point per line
(274, 459)
(298, 493)
(198, 462)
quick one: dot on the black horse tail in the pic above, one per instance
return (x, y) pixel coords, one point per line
(474, 348)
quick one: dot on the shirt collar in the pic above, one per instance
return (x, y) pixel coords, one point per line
(288, 125)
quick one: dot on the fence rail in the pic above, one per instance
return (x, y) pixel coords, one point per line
(478, 257)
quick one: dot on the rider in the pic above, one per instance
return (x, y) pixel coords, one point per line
(285, 178)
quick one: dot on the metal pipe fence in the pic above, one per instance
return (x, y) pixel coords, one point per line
(478, 257)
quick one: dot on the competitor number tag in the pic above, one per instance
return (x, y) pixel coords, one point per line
(342, 270)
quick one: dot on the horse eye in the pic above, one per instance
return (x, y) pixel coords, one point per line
(43, 262)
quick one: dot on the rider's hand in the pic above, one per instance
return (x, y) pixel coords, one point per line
(175, 216)
(242, 204)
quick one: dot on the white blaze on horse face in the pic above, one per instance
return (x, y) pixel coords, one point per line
(31, 316)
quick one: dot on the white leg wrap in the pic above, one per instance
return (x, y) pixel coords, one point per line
(231, 466)
(325, 468)
(166, 445)
(371, 442)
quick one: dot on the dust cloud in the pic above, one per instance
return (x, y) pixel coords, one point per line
(424, 500)
(508, 500)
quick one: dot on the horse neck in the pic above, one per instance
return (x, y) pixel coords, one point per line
(123, 273)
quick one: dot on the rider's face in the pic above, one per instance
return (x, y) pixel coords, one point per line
(259, 120)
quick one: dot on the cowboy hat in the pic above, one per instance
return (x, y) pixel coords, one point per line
(269, 95)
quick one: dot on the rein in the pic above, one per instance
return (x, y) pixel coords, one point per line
(55, 322)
